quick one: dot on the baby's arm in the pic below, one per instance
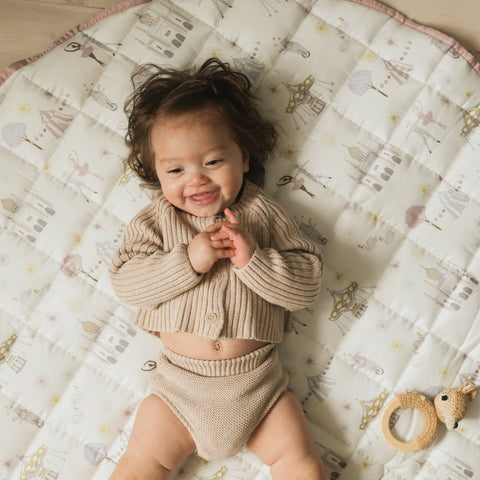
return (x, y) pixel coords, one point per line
(145, 275)
(286, 272)
(142, 273)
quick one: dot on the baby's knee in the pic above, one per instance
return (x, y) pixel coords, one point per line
(307, 466)
(313, 468)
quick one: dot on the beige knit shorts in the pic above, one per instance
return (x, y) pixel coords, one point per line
(220, 402)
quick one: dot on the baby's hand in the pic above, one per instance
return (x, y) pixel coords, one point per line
(242, 244)
(204, 251)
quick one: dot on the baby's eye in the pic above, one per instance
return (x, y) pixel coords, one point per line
(212, 163)
(175, 170)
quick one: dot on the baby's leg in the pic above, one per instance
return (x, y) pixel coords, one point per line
(284, 442)
(158, 444)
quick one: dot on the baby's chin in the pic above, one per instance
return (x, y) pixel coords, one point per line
(203, 212)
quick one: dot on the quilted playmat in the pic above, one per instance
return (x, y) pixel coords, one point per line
(378, 161)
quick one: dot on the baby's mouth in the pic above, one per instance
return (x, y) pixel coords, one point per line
(204, 197)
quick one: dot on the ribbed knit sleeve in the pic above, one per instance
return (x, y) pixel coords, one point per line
(288, 271)
(142, 273)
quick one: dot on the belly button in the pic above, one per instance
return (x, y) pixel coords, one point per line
(217, 346)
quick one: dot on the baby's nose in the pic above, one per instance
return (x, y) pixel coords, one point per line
(198, 178)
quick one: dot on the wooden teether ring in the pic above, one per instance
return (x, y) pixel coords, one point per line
(430, 427)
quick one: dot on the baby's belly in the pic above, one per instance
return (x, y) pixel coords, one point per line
(194, 346)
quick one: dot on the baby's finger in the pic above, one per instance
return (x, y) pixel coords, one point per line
(220, 235)
(232, 230)
(231, 217)
(224, 253)
(222, 243)
(215, 227)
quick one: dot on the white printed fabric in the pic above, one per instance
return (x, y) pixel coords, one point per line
(378, 161)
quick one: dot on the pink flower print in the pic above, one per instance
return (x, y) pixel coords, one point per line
(72, 265)
(415, 215)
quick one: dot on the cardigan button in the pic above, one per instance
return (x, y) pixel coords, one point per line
(212, 317)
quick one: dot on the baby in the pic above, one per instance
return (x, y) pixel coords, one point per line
(215, 268)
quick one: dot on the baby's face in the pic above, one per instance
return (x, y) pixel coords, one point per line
(198, 163)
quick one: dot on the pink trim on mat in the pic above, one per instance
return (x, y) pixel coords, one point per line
(119, 7)
(430, 31)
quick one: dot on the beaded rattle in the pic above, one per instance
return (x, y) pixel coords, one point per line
(448, 406)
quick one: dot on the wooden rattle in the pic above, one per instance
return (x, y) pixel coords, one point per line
(448, 406)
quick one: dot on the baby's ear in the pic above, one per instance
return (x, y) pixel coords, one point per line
(246, 160)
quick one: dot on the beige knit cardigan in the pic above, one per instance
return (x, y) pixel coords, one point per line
(151, 270)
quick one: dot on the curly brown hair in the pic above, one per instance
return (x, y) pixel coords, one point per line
(162, 93)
